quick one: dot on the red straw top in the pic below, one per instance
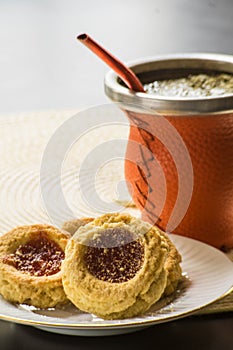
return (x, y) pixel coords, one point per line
(126, 74)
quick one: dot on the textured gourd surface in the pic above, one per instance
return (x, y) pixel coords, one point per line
(209, 140)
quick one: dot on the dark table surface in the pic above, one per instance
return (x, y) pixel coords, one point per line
(194, 332)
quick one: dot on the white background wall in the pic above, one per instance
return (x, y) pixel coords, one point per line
(42, 66)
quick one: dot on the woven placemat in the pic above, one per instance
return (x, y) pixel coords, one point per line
(22, 143)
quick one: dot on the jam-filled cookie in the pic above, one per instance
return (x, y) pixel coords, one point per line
(114, 266)
(30, 265)
(171, 265)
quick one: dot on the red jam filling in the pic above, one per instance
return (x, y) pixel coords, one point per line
(40, 256)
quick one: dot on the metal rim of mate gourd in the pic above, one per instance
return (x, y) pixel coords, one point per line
(168, 67)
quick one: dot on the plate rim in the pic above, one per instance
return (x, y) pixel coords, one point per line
(80, 326)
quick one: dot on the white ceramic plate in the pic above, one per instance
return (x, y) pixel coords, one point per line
(208, 277)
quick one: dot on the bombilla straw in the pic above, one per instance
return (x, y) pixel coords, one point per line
(126, 74)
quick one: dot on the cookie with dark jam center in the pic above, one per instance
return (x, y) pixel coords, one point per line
(115, 266)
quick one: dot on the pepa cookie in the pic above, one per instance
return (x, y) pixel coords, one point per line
(114, 266)
(30, 265)
(171, 265)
